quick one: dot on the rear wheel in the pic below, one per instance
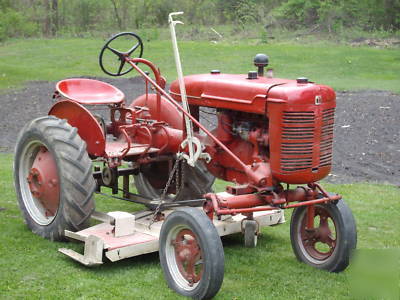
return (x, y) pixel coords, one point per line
(191, 254)
(329, 245)
(189, 183)
(53, 178)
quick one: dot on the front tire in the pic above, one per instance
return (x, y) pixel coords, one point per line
(53, 178)
(330, 245)
(191, 254)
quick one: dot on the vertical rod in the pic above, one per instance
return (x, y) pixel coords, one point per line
(189, 128)
(125, 184)
(310, 216)
(147, 92)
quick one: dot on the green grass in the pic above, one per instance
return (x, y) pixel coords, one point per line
(31, 267)
(340, 66)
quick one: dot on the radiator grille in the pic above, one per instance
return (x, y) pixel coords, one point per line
(328, 119)
(298, 117)
(297, 133)
(299, 141)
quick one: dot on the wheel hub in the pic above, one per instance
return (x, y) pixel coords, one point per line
(188, 256)
(43, 181)
(320, 241)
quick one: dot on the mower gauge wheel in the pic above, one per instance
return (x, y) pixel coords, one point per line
(191, 254)
(250, 233)
(110, 47)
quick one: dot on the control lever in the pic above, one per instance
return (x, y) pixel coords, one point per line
(189, 141)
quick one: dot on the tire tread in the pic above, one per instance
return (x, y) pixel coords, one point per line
(348, 237)
(75, 170)
(208, 236)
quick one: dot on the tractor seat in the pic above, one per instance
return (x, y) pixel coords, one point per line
(89, 91)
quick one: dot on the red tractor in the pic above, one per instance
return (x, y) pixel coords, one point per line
(270, 133)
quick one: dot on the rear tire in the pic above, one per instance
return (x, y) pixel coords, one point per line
(191, 254)
(72, 200)
(194, 183)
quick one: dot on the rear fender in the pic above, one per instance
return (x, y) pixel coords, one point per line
(88, 128)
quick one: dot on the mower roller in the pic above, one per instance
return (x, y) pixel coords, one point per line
(270, 133)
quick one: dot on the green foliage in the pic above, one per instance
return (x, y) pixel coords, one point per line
(15, 24)
(88, 17)
(333, 15)
(263, 37)
(246, 12)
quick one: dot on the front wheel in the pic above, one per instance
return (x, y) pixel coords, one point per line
(191, 254)
(329, 244)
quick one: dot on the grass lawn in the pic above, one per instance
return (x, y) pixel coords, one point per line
(342, 67)
(31, 267)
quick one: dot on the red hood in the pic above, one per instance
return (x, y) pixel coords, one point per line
(237, 92)
(231, 91)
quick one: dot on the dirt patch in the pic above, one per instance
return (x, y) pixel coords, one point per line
(367, 138)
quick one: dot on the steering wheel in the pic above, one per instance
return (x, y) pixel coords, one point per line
(121, 55)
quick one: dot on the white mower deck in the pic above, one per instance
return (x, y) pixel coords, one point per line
(122, 235)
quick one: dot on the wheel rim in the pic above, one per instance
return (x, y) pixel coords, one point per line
(39, 182)
(184, 257)
(320, 243)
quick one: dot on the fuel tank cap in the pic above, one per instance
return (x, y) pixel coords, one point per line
(302, 80)
(252, 75)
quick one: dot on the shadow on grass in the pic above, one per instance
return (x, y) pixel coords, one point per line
(264, 240)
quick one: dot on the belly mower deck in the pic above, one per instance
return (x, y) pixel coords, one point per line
(122, 235)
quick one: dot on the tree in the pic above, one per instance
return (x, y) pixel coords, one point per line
(116, 13)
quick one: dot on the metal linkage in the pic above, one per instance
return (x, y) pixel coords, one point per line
(135, 198)
(249, 203)
(132, 197)
(165, 190)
